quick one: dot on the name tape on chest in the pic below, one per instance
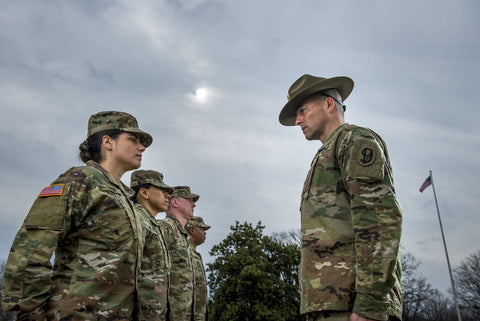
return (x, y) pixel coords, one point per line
(52, 190)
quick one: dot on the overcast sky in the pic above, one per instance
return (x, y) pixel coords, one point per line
(207, 79)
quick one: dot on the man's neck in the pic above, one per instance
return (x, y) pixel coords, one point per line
(331, 128)
(179, 217)
(193, 244)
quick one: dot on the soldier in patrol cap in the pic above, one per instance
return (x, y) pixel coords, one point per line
(351, 221)
(86, 219)
(197, 222)
(196, 228)
(151, 197)
(180, 293)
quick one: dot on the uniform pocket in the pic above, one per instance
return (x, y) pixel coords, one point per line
(47, 213)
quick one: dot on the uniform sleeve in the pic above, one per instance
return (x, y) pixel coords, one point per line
(27, 276)
(376, 220)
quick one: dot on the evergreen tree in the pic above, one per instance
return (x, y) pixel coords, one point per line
(254, 277)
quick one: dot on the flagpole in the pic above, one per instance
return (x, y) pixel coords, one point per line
(446, 252)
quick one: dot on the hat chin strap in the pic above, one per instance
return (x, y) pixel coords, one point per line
(335, 99)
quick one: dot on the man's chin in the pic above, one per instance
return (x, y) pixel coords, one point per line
(309, 137)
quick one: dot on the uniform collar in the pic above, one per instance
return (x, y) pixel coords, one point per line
(119, 184)
(177, 222)
(140, 207)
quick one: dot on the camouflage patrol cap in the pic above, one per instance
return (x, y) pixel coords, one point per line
(184, 192)
(154, 178)
(308, 85)
(197, 221)
(106, 120)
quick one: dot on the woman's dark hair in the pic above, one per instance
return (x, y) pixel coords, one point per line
(137, 188)
(91, 148)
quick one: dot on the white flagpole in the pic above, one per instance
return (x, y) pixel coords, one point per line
(446, 252)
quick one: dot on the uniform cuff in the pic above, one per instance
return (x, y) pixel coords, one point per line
(371, 306)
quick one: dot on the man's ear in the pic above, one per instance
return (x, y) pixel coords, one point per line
(330, 104)
(174, 202)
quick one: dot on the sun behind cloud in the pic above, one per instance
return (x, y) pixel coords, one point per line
(201, 95)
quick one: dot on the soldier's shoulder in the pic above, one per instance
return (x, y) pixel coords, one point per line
(77, 173)
(80, 177)
(351, 134)
(359, 131)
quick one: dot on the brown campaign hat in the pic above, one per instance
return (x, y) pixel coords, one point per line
(308, 85)
(154, 178)
(106, 120)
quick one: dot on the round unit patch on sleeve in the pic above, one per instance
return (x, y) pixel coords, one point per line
(366, 156)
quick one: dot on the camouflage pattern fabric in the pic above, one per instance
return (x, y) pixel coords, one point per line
(180, 292)
(154, 269)
(106, 120)
(351, 225)
(200, 291)
(196, 221)
(92, 229)
(154, 178)
(184, 191)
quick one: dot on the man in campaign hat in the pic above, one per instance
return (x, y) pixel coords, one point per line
(196, 228)
(351, 221)
(151, 197)
(181, 289)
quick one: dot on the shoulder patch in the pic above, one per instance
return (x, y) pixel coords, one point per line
(366, 160)
(366, 156)
(47, 212)
(52, 190)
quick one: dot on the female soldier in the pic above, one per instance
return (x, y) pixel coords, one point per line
(86, 219)
(151, 197)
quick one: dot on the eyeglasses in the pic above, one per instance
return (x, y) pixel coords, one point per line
(335, 99)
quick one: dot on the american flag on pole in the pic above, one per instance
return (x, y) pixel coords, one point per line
(426, 184)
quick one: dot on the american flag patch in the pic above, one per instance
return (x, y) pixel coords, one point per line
(52, 190)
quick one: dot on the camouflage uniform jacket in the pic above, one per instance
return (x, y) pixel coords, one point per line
(351, 225)
(91, 226)
(180, 292)
(154, 269)
(200, 291)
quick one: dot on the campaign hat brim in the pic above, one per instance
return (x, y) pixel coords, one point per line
(308, 85)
